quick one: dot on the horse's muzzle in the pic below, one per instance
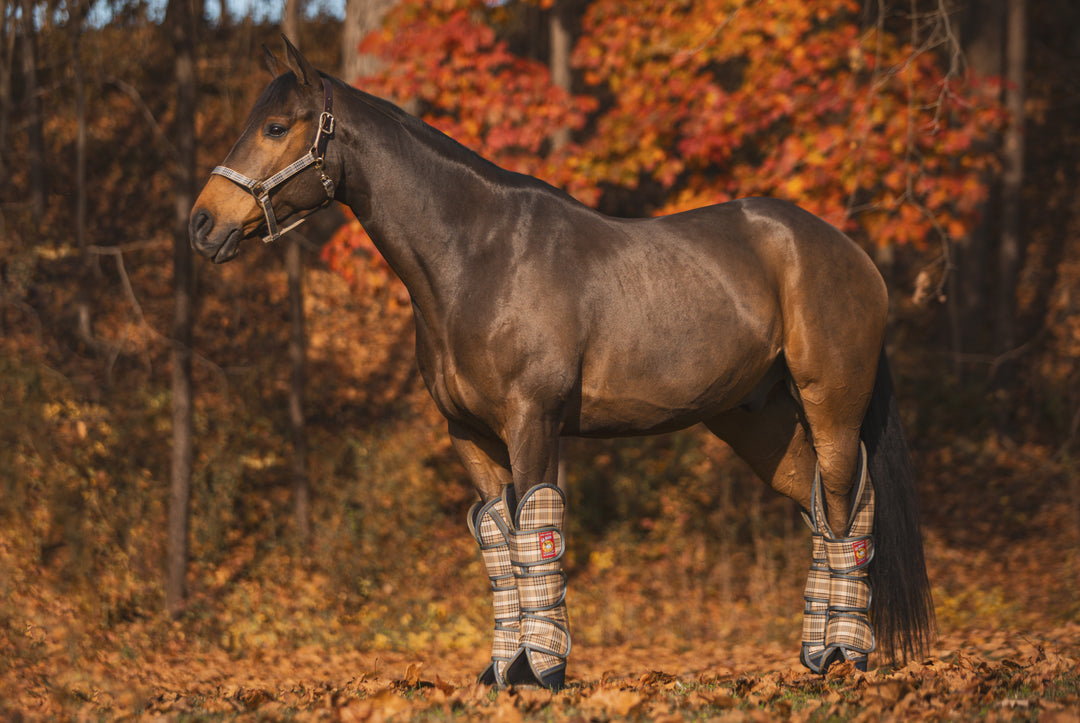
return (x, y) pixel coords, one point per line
(219, 247)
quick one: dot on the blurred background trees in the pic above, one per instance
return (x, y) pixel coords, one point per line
(941, 136)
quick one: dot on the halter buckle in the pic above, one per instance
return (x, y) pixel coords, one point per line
(326, 123)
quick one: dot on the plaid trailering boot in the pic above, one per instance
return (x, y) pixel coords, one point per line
(838, 575)
(849, 635)
(536, 548)
(489, 523)
(816, 611)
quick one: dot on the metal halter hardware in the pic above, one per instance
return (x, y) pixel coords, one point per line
(261, 189)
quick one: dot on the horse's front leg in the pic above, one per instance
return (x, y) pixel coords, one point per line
(488, 465)
(519, 528)
(537, 544)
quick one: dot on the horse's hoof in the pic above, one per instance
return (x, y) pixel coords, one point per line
(488, 676)
(520, 673)
(839, 655)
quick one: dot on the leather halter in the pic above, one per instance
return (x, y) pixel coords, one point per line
(261, 189)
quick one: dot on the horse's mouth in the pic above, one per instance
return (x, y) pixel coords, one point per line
(230, 248)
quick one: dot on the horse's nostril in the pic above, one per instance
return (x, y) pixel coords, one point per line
(200, 225)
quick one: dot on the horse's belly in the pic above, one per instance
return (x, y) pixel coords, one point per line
(659, 393)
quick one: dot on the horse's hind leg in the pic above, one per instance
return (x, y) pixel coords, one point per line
(833, 372)
(773, 441)
(834, 396)
(834, 327)
(836, 624)
(777, 441)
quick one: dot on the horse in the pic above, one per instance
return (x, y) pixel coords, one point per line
(538, 317)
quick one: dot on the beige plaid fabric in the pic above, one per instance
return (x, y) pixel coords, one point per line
(849, 592)
(836, 623)
(489, 523)
(536, 548)
(816, 595)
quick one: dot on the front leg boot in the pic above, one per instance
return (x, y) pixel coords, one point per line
(489, 524)
(537, 545)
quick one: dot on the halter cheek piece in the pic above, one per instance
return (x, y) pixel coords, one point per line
(261, 189)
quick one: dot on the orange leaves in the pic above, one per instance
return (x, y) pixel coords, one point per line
(352, 254)
(787, 99)
(469, 83)
(958, 686)
(766, 103)
(708, 99)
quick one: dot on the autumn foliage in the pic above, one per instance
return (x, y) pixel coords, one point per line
(686, 572)
(704, 101)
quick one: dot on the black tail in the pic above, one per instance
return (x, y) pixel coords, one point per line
(901, 609)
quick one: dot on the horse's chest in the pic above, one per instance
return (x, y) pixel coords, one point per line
(455, 397)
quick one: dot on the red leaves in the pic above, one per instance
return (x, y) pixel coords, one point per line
(351, 253)
(447, 56)
(712, 99)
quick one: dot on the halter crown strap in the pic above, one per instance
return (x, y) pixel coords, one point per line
(261, 189)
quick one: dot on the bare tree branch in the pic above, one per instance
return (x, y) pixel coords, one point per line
(148, 115)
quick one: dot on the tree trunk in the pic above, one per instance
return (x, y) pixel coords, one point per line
(80, 144)
(1012, 177)
(7, 64)
(294, 273)
(180, 22)
(290, 21)
(35, 134)
(85, 328)
(297, 361)
(981, 27)
(361, 18)
(560, 46)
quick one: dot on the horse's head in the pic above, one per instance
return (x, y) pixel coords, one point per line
(276, 173)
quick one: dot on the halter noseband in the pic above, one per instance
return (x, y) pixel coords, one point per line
(261, 189)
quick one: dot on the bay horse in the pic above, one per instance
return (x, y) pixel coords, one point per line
(538, 317)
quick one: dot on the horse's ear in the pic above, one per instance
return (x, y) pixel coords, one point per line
(305, 71)
(272, 62)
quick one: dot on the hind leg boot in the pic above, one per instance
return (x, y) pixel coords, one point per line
(846, 633)
(816, 609)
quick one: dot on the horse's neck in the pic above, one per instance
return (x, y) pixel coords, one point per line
(416, 196)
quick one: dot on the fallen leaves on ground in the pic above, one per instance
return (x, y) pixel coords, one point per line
(1029, 680)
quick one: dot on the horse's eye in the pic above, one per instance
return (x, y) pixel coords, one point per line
(276, 130)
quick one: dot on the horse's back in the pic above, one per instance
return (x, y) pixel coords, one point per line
(778, 232)
(815, 272)
(688, 312)
(753, 256)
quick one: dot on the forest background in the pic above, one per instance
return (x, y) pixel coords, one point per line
(224, 490)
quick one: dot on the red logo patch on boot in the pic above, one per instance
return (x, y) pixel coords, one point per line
(861, 549)
(547, 545)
